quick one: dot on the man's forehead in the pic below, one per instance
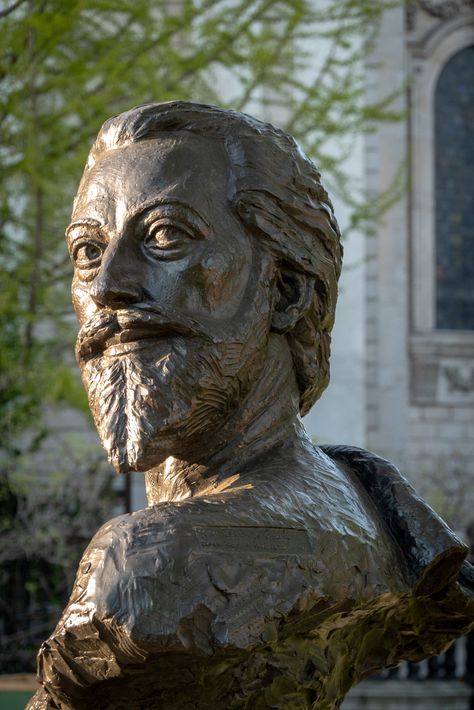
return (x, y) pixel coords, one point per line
(180, 167)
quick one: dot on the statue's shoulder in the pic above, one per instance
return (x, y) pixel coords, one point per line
(433, 553)
(366, 464)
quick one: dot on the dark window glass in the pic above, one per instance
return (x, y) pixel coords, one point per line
(454, 193)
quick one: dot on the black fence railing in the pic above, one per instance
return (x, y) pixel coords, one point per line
(457, 663)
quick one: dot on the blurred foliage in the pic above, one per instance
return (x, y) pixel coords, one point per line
(45, 524)
(448, 488)
(66, 66)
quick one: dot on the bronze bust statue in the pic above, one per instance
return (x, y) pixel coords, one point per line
(266, 572)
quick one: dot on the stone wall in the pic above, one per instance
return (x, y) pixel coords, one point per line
(419, 378)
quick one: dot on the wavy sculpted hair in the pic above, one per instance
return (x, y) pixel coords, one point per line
(277, 193)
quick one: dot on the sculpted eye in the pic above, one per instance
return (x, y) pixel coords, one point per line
(166, 240)
(87, 255)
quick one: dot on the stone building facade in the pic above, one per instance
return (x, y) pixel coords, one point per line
(416, 315)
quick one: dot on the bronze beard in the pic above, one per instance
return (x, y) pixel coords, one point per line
(157, 384)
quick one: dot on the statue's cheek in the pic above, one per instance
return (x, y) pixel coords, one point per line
(84, 306)
(219, 281)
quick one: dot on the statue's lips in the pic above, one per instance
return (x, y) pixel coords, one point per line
(129, 340)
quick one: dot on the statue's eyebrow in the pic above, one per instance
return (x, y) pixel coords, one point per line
(85, 222)
(190, 214)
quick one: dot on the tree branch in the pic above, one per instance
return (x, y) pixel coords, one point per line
(12, 8)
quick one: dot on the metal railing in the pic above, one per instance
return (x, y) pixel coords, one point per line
(457, 663)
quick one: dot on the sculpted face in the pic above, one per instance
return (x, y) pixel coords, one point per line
(171, 294)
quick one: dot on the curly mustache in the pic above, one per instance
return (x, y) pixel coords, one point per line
(140, 322)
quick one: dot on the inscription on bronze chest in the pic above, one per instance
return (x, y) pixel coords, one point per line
(253, 540)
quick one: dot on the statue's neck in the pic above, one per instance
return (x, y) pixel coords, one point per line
(267, 417)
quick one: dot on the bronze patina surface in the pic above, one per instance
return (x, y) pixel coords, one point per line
(266, 572)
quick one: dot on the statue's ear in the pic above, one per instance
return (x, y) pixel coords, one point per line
(294, 293)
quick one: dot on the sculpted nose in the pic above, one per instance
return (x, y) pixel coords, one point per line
(116, 284)
(105, 292)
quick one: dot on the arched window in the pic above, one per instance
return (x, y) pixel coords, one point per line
(454, 193)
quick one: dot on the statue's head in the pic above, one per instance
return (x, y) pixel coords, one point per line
(199, 236)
